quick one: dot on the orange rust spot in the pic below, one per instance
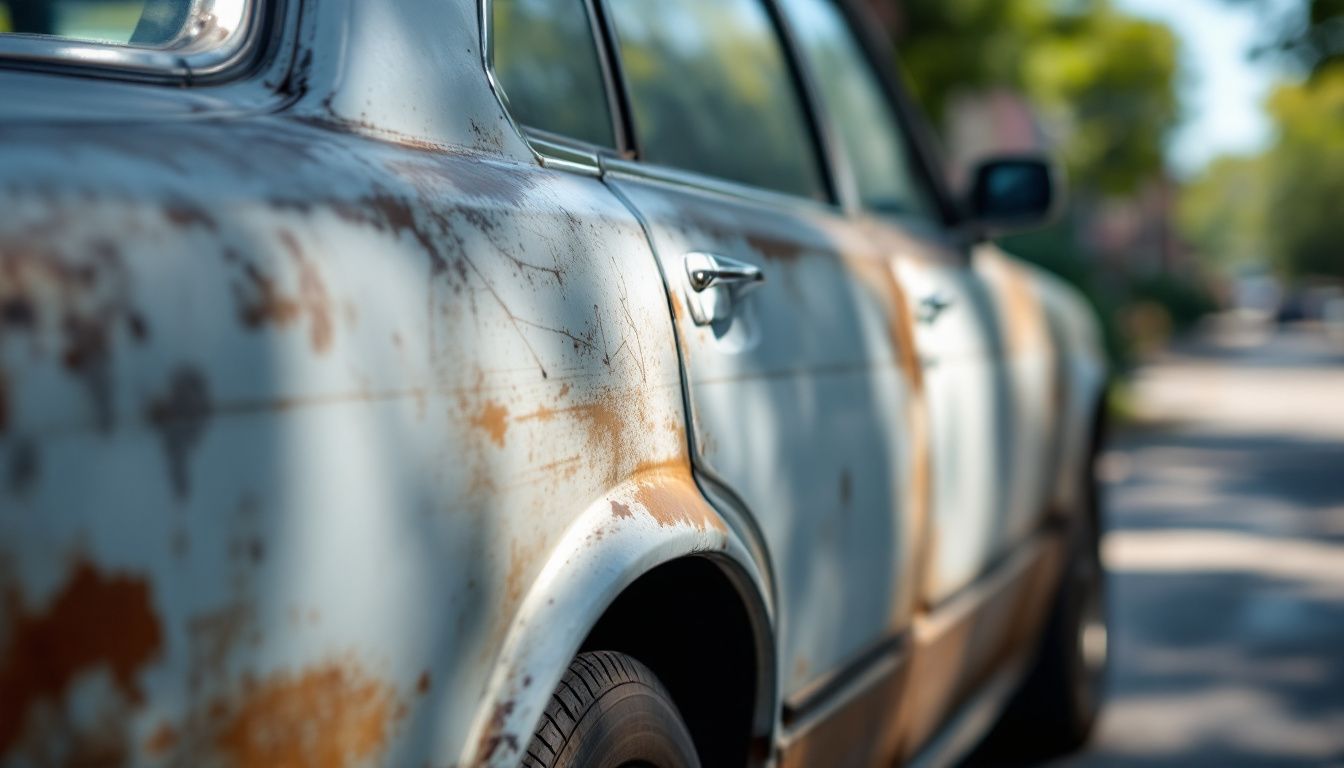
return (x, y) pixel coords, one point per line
(422, 683)
(95, 622)
(328, 715)
(670, 500)
(162, 741)
(678, 311)
(494, 420)
(620, 510)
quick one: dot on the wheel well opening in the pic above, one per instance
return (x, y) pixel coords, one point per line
(687, 622)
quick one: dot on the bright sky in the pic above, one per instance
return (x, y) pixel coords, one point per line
(1222, 92)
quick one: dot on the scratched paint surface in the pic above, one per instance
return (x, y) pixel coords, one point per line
(329, 419)
(293, 419)
(803, 404)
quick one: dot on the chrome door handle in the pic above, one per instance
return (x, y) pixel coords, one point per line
(933, 306)
(705, 270)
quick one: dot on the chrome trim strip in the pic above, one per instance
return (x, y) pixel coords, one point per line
(677, 177)
(192, 58)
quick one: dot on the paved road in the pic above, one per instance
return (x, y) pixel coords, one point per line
(1226, 518)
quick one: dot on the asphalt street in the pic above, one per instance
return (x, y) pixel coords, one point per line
(1226, 547)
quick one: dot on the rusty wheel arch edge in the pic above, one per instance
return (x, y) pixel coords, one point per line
(615, 541)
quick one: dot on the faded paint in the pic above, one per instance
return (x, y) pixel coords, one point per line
(349, 382)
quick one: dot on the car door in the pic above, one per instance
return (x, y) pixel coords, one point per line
(979, 351)
(803, 393)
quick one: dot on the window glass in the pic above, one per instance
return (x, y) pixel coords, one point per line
(711, 91)
(146, 23)
(860, 108)
(545, 60)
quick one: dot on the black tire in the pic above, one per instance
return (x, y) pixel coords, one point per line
(610, 711)
(1060, 701)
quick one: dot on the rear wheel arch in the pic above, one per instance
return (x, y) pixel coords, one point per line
(697, 623)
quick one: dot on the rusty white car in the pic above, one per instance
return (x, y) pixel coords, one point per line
(542, 382)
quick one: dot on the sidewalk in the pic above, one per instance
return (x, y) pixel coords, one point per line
(1226, 545)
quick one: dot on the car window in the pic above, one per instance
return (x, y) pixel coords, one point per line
(545, 60)
(145, 23)
(864, 116)
(711, 91)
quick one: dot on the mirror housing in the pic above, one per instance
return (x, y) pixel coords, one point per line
(1012, 194)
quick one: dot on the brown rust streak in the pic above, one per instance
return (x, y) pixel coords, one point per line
(42, 290)
(1023, 318)
(96, 621)
(332, 714)
(880, 276)
(268, 304)
(863, 731)
(606, 427)
(494, 737)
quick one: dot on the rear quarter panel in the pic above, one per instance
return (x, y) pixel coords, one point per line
(294, 423)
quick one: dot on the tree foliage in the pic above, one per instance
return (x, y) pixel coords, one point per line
(1306, 176)
(1223, 212)
(1280, 208)
(1106, 81)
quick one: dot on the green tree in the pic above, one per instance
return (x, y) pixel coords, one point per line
(1306, 176)
(1222, 213)
(1108, 81)
(1105, 80)
(1279, 208)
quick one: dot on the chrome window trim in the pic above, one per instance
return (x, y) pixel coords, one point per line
(552, 150)
(818, 136)
(189, 60)
(699, 182)
(562, 152)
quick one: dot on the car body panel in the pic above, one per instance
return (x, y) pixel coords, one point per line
(320, 408)
(802, 403)
(332, 417)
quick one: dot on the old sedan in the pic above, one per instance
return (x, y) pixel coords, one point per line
(564, 382)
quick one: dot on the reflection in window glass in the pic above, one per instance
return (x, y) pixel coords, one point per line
(711, 91)
(856, 101)
(545, 60)
(148, 23)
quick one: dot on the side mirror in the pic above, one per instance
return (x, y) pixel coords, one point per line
(1012, 194)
